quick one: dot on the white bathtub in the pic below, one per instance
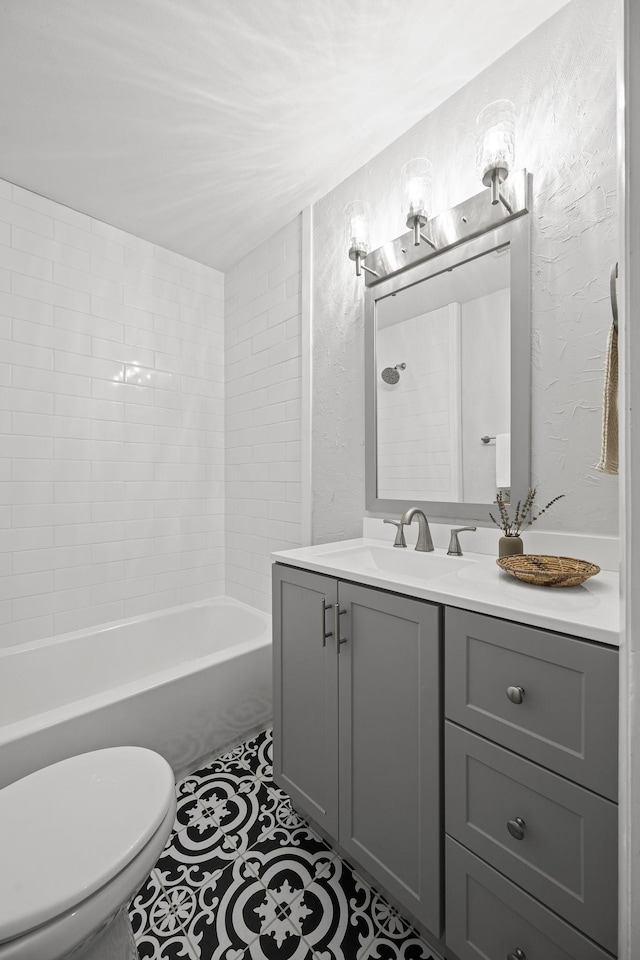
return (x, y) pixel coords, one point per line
(186, 682)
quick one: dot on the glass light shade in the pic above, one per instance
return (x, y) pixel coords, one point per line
(356, 222)
(417, 179)
(495, 132)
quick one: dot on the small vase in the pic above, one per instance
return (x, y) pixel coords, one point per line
(510, 546)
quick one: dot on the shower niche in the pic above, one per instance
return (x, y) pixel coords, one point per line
(448, 372)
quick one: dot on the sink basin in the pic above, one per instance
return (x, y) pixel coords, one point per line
(392, 561)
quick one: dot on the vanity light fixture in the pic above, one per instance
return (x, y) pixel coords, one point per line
(495, 132)
(468, 219)
(356, 221)
(416, 196)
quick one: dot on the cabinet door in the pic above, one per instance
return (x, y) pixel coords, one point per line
(389, 745)
(305, 693)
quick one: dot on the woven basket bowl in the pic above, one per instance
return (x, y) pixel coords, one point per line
(548, 571)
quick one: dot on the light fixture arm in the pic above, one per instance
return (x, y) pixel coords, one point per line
(497, 176)
(416, 223)
(360, 266)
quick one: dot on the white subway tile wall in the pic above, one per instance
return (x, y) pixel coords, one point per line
(111, 422)
(262, 412)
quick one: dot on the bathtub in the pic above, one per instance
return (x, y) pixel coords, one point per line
(186, 682)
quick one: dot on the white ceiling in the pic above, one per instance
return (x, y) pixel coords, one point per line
(205, 125)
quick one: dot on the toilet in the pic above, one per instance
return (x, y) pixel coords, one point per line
(77, 840)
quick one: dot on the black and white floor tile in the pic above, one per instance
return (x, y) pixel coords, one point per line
(244, 877)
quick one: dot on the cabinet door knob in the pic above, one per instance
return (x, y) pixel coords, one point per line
(517, 954)
(516, 828)
(515, 694)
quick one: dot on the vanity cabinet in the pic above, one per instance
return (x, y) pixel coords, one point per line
(530, 788)
(524, 737)
(357, 727)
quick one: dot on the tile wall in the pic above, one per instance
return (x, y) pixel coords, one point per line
(111, 422)
(263, 412)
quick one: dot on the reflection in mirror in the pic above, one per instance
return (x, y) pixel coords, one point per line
(443, 351)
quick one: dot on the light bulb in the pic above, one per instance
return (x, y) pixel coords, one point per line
(416, 190)
(356, 221)
(495, 132)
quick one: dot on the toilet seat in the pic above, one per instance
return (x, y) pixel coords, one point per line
(74, 826)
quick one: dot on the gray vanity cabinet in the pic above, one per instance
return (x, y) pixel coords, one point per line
(357, 727)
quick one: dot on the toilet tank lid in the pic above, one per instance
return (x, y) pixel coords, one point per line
(69, 828)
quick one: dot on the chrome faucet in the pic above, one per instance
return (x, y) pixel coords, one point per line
(425, 543)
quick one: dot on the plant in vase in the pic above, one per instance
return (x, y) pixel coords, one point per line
(511, 542)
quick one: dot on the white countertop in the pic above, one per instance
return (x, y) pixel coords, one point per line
(590, 610)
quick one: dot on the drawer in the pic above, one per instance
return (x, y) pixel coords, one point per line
(567, 719)
(490, 918)
(565, 848)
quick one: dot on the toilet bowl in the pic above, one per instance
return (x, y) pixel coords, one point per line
(77, 840)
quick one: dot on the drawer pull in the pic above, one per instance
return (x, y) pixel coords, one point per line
(516, 828)
(517, 954)
(325, 634)
(515, 694)
(337, 613)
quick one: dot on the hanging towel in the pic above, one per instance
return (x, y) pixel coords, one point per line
(608, 462)
(503, 460)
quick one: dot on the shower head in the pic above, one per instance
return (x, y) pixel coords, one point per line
(390, 374)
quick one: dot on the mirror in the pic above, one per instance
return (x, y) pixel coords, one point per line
(448, 379)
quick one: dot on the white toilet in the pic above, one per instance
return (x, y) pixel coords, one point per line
(77, 840)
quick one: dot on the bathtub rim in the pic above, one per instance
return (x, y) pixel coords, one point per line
(109, 625)
(74, 708)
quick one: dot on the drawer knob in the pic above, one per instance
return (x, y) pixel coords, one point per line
(515, 694)
(516, 828)
(517, 954)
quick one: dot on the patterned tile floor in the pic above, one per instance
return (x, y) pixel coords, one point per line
(243, 877)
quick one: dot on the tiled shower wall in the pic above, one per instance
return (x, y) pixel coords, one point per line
(262, 412)
(111, 422)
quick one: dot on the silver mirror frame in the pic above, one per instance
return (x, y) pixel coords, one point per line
(516, 233)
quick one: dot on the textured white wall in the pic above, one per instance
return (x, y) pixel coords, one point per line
(263, 412)
(562, 81)
(111, 422)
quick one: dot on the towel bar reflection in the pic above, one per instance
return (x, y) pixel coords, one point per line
(486, 439)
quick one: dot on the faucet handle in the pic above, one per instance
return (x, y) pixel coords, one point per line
(454, 544)
(399, 540)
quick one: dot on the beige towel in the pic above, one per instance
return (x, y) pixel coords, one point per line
(608, 462)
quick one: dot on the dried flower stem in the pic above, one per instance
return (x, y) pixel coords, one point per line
(521, 520)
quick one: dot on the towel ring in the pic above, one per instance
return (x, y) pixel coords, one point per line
(614, 295)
